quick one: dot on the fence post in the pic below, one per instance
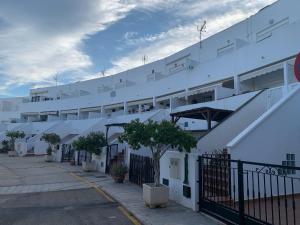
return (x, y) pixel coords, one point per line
(200, 183)
(241, 193)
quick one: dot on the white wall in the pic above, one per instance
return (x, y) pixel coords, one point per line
(218, 137)
(176, 185)
(275, 133)
(100, 160)
(212, 68)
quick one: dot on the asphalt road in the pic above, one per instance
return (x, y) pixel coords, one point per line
(70, 207)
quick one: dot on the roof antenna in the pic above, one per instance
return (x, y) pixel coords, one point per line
(201, 29)
(144, 59)
(103, 72)
(55, 79)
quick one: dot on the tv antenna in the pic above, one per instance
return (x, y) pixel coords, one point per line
(55, 79)
(103, 72)
(144, 59)
(201, 29)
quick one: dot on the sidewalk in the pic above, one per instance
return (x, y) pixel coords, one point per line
(130, 196)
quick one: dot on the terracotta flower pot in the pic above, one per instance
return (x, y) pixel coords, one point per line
(119, 179)
(48, 158)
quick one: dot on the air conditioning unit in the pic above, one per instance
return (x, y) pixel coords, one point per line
(190, 64)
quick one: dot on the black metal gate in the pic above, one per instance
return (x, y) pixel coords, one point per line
(111, 156)
(141, 169)
(67, 153)
(241, 192)
(83, 156)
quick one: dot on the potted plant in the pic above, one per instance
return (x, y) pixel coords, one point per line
(13, 136)
(72, 162)
(91, 143)
(158, 137)
(52, 139)
(118, 172)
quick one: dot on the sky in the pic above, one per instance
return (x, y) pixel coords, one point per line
(75, 40)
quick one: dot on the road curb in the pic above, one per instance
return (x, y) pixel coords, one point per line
(110, 198)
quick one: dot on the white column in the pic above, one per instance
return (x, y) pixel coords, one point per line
(125, 108)
(171, 105)
(102, 111)
(216, 89)
(285, 77)
(140, 108)
(237, 84)
(186, 97)
(154, 102)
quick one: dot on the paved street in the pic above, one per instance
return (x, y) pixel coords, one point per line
(72, 207)
(33, 192)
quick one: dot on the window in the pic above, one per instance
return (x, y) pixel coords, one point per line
(174, 168)
(290, 161)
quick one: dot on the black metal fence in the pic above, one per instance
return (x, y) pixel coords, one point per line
(141, 169)
(241, 192)
(83, 156)
(67, 153)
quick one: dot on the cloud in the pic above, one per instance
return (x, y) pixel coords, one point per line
(39, 39)
(219, 14)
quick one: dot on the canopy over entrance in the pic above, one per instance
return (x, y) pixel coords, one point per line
(203, 113)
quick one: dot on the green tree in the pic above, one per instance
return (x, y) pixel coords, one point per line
(158, 137)
(13, 136)
(5, 146)
(52, 139)
(92, 143)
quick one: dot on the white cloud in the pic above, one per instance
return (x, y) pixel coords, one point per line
(219, 14)
(39, 39)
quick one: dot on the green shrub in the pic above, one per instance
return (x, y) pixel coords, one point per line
(118, 170)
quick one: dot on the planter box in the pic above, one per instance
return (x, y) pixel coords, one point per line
(48, 158)
(155, 196)
(12, 153)
(88, 166)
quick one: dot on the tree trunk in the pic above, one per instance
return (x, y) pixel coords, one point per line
(156, 170)
(13, 144)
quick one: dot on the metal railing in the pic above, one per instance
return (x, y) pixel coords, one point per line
(241, 192)
(141, 169)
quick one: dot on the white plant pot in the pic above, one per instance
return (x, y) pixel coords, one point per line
(155, 196)
(88, 166)
(48, 158)
(12, 153)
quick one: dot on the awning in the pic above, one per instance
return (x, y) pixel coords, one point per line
(114, 106)
(261, 72)
(140, 102)
(200, 113)
(30, 114)
(202, 90)
(166, 97)
(69, 111)
(91, 109)
(49, 113)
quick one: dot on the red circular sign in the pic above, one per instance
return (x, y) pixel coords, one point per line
(297, 67)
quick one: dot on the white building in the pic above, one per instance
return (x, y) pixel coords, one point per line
(238, 91)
